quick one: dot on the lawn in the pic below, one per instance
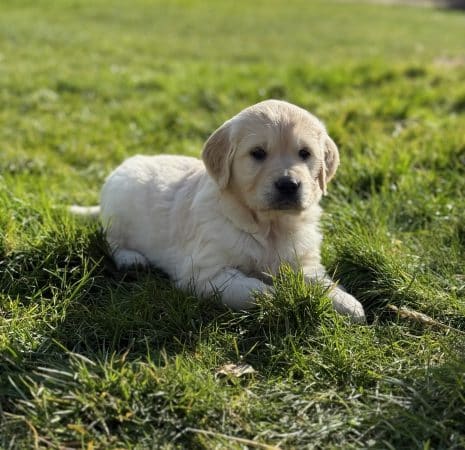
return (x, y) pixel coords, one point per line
(92, 358)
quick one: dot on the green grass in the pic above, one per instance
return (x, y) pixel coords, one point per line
(92, 358)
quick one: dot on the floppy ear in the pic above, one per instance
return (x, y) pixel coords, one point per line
(217, 155)
(330, 162)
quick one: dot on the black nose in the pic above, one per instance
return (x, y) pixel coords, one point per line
(287, 186)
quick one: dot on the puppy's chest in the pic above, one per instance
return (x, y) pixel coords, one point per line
(266, 254)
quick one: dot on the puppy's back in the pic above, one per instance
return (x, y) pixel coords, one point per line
(139, 197)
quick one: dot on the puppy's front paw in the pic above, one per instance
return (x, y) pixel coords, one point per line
(245, 296)
(347, 305)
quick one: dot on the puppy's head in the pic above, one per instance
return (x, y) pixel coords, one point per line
(273, 155)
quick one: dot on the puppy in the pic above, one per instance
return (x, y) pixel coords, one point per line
(251, 205)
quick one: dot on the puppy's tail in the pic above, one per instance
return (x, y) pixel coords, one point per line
(91, 212)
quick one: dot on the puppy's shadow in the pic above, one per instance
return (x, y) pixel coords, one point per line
(97, 310)
(138, 309)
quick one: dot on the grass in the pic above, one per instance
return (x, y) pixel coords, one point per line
(92, 358)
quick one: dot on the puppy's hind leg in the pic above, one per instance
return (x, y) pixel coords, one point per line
(125, 258)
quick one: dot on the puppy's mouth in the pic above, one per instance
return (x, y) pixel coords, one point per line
(287, 204)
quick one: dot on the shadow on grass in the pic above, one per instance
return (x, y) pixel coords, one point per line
(90, 308)
(87, 306)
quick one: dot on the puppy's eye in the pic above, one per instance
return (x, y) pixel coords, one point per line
(304, 153)
(258, 154)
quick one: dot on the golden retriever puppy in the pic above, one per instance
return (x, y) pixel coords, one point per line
(251, 205)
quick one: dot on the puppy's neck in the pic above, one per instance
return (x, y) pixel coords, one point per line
(238, 213)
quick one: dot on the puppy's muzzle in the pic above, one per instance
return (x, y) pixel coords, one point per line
(287, 193)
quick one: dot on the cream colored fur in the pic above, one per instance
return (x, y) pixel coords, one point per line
(215, 226)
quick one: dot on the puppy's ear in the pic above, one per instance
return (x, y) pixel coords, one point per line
(330, 162)
(217, 155)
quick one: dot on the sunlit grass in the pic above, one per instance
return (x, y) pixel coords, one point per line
(93, 358)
